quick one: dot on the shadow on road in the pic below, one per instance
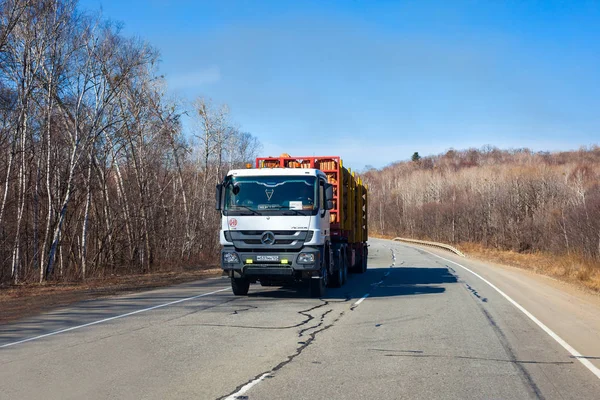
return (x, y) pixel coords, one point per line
(378, 282)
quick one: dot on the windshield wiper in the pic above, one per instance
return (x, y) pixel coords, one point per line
(295, 211)
(253, 211)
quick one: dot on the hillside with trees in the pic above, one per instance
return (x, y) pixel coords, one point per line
(515, 200)
(96, 177)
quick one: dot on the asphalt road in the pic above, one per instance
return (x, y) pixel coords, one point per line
(427, 329)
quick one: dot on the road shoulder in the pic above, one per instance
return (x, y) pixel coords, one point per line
(30, 300)
(569, 311)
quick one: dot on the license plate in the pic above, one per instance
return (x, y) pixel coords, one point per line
(267, 258)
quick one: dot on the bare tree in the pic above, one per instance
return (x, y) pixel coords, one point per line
(96, 174)
(516, 200)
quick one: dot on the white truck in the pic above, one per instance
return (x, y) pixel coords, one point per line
(292, 219)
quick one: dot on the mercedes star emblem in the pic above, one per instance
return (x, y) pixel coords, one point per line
(268, 238)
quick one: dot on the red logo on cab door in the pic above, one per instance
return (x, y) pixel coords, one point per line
(233, 222)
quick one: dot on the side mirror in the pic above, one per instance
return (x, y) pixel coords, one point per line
(218, 196)
(329, 196)
(329, 205)
(328, 192)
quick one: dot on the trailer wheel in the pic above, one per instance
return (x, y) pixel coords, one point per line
(363, 266)
(240, 286)
(346, 267)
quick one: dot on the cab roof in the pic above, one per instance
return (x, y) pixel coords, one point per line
(276, 172)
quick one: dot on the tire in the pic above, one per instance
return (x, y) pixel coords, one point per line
(240, 286)
(361, 267)
(318, 287)
(355, 269)
(345, 272)
(337, 278)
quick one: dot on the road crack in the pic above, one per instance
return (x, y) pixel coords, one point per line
(304, 313)
(247, 308)
(475, 293)
(303, 345)
(470, 288)
(523, 373)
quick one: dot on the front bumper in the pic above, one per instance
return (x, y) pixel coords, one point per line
(270, 263)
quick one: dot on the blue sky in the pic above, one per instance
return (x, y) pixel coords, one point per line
(376, 81)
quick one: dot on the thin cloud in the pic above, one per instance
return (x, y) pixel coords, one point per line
(193, 79)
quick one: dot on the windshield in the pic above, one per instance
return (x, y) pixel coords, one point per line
(271, 193)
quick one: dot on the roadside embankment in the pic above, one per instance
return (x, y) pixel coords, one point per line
(569, 268)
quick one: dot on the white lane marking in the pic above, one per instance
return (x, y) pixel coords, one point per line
(111, 318)
(361, 300)
(247, 387)
(595, 370)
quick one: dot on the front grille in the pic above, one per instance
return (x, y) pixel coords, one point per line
(279, 241)
(276, 233)
(270, 249)
(283, 239)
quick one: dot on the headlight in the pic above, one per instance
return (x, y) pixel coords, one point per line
(231, 258)
(306, 258)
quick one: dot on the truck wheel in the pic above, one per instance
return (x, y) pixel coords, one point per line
(318, 287)
(240, 286)
(363, 263)
(345, 266)
(345, 271)
(337, 278)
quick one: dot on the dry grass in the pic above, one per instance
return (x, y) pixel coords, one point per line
(30, 299)
(570, 268)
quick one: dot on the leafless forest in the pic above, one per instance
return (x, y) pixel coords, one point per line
(510, 200)
(96, 177)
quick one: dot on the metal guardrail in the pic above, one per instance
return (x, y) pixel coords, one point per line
(432, 244)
